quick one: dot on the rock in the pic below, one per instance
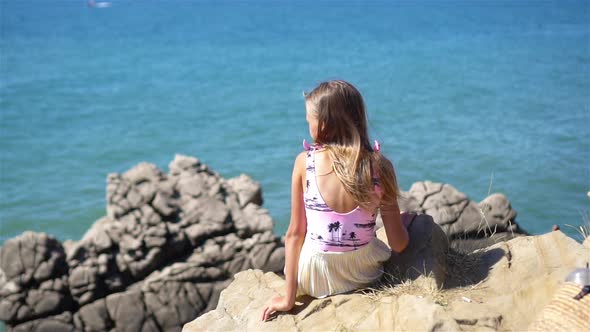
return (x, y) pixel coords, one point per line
(481, 224)
(58, 323)
(251, 220)
(408, 203)
(34, 278)
(241, 304)
(93, 317)
(425, 255)
(160, 257)
(475, 316)
(468, 245)
(185, 164)
(170, 243)
(510, 282)
(420, 314)
(128, 312)
(248, 190)
(534, 267)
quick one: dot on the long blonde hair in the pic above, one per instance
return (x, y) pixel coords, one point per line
(342, 130)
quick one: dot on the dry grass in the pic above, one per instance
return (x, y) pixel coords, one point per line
(422, 287)
(583, 229)
(486, 228)
(459, 281)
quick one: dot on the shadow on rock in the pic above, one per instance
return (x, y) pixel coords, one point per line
(430, 258)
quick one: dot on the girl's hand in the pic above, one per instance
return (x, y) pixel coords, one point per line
(279, 303)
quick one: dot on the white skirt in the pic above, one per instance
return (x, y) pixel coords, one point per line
(323, 274)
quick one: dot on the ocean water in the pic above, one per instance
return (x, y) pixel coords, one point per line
(488, 96)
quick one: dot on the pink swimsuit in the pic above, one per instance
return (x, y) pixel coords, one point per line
(328, 230)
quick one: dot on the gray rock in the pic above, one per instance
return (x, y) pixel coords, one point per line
(459, 217)
(252, 219)
(160, 257)
(184, 164)
(426, 254)
(248, 190)
(127, 310)
(58, 323)
(34, 278)
(93, 317)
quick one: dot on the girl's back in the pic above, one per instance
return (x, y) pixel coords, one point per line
(329, 185)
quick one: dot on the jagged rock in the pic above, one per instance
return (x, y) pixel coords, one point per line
(93, 317)
(251, 220)
(473, 225)
(160, 257)
(186, 165)
(248, 190)
(58, 323)
(127, 312)
(33, 280)
(509, 283)
(169, 244)
(408, 203)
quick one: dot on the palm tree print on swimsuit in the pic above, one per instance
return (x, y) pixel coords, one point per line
(335, 227)
(338, 237)
(367, 228)
(313, 203)
(353, 238)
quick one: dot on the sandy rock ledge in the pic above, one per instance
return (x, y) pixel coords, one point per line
(504, 288)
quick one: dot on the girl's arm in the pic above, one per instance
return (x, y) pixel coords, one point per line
(293, 241)
(397, 234)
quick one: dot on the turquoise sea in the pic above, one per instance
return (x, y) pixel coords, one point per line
(477, 94)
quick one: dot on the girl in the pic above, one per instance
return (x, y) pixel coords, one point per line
(338, 185)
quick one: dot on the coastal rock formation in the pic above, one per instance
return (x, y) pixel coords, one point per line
(33, 278)
(168, 245)
(171, 242)
(468, 225)
(499, 288)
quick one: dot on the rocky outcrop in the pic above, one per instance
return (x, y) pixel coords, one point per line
(171, 242)
(33, 278)
(168, 245)
(468, 225)
(499, 288)
(424, 258)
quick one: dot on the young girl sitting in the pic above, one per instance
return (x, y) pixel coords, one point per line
(338, 186)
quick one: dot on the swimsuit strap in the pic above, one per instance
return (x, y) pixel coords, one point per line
(377, 146)
(306, 146)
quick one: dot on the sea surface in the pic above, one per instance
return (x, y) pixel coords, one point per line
(488, 96)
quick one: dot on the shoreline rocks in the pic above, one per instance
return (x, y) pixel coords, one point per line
(167, 246)
(468, 225)
(170, 243)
